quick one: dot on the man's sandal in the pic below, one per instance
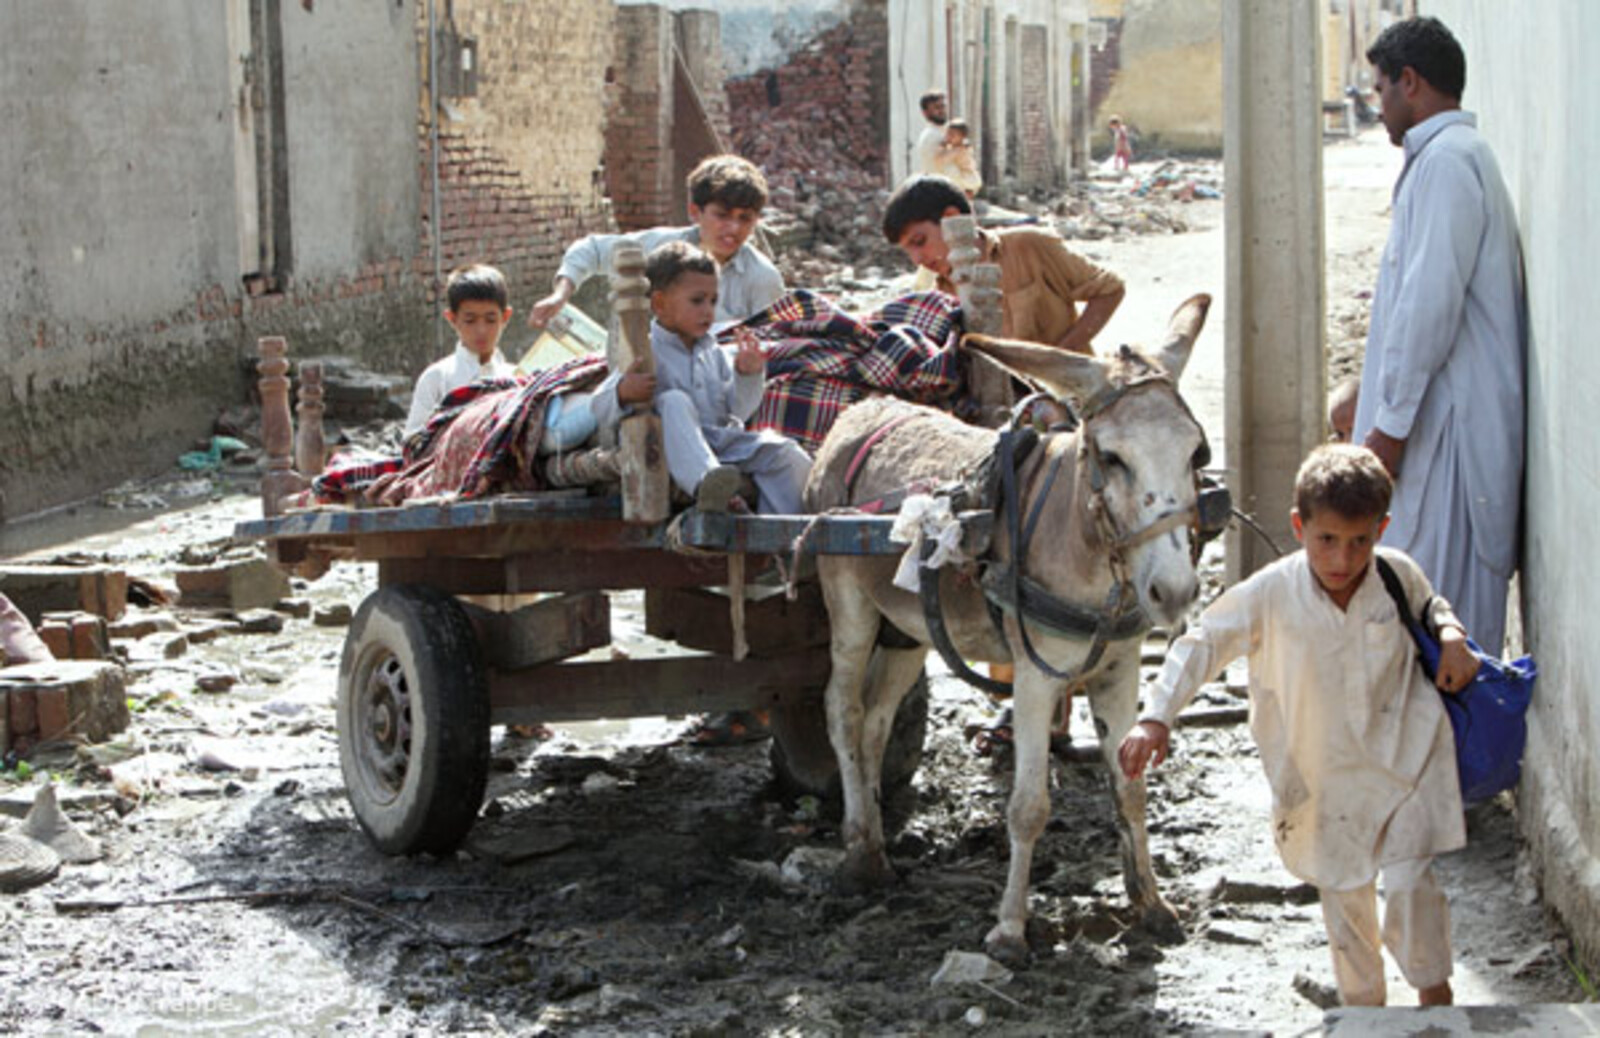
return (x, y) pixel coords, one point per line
(986, 737)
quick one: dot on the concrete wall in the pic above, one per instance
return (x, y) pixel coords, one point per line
(124, 319)
(139, 260)
(1168, 83)
(1545, 130)
(341, 74)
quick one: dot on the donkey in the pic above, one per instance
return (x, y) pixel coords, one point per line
(1106, 517)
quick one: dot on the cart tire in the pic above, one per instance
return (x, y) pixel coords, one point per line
(413, 717)
(803, 761)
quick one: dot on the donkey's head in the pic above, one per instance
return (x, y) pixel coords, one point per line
(1140, 449)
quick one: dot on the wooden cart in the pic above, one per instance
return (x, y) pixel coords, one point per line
(425, 671)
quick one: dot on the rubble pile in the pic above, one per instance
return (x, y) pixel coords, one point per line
(1149, 201)
(815, 127)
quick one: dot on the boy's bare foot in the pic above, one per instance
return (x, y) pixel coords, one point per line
(716, 489)
(1438, 995)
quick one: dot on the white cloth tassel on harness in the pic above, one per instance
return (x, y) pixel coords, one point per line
(923, 515)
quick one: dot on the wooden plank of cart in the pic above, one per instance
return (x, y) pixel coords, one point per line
(487, 610)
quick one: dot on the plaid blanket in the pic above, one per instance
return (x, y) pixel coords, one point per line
(821, 360)
(480, 439)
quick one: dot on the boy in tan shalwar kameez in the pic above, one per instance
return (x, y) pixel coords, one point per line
(1356, 746)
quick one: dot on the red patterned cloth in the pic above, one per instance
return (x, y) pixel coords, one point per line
(481, 439)
(821, 360)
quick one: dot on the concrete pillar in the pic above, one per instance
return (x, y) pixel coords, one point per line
(1276, 372)
(700, 42)
(1079, 122)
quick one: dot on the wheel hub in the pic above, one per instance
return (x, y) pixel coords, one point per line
(386, 722)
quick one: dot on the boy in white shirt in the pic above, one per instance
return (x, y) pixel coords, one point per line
(477, 307)
(726, 197)
(1355, 743)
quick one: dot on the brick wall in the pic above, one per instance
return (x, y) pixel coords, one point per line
(521, 171)
(1104, 64)
(823, 115)
(638, 145)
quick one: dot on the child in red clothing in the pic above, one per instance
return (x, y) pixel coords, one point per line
(1121, 150)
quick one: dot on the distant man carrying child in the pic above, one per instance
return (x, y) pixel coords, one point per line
(935, 112)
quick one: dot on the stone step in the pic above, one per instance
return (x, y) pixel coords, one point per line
(61, 699)
(236, 584)
(37, 590)
(1549, 1020)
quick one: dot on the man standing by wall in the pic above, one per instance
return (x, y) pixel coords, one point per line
(936, 110)
(1442, 384)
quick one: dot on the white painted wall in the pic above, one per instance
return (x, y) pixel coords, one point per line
(916, 63)
(1532, 79)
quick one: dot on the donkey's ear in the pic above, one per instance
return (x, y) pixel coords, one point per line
(1063, 373)
(1182, 330)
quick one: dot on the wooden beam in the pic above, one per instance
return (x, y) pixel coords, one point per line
(640, 688)
(554, 628)
(277, 425)
(646, 488)
(698, 618)
(556, 571)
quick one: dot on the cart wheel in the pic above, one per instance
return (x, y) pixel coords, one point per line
(413, 718)
(803, 761)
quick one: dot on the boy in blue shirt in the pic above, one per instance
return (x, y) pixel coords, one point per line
(704, 394)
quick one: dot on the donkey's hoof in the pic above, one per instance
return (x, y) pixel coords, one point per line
(1008, 949)
(1160, 920)
(864, 873)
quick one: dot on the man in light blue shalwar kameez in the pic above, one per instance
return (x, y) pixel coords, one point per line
(1442, 385)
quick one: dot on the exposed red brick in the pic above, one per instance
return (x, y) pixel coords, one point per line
(53, 712)
(23, 707)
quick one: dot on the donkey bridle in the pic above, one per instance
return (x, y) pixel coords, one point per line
(1007, 589)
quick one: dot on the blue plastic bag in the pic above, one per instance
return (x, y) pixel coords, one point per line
(1488, 716)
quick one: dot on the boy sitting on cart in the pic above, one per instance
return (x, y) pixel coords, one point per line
(704, 394)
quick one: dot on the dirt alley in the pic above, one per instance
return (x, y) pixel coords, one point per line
(621, 882)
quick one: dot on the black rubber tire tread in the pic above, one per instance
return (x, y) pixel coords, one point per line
(428, 632)
(803, 762)
(25, 863)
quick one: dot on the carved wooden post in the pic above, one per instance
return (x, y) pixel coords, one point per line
(277, 425)
(979, 287)
(646, 488)
(310, 453)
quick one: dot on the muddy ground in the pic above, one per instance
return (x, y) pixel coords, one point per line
(622, 881)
